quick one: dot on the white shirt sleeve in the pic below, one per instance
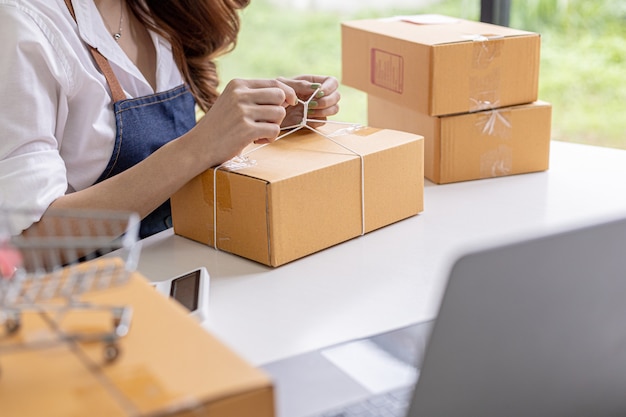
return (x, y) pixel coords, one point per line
(57, 126)
(33, 84)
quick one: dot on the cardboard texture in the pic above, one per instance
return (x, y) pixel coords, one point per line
(491, 143)
(441, 69)
(168, 365)
(304, 194)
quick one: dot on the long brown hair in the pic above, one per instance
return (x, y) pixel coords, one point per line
(199, 31)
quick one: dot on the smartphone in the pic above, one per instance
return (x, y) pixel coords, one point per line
(190, 289)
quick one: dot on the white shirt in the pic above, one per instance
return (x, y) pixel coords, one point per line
(57, 127)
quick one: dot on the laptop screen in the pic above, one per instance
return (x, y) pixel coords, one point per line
(532, 328)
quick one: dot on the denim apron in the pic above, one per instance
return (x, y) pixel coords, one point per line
(143, 125)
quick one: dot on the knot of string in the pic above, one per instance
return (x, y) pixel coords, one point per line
(242, 160)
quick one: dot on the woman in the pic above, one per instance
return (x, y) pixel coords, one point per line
(97, 103)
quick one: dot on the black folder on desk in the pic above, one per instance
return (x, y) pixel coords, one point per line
(531, 328)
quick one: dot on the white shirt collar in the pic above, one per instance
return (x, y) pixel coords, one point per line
(93, 31)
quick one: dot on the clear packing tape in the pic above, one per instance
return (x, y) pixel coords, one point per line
(484, 100)
(485, 78)
(243, 161)
(495, 124)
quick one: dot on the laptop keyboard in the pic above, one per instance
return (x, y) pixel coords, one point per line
(389, 404)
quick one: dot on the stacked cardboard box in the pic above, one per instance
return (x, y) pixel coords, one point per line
(469, 88)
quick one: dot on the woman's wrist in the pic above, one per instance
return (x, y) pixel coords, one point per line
(196, 152)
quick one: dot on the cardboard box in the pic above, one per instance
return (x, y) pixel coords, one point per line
(491, 143)
(168, 365)
(304, 194)
(439, 69)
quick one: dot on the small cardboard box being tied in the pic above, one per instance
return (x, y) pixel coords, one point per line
(304, 193)
(168, 364)
(468, 146)
(439, 65)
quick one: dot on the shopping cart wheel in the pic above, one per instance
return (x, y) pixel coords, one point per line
(120, 320)
(12, 325)
(111, 352)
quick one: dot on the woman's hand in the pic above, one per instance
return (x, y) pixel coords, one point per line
(245, 112)
(323, 105)
(254, 111)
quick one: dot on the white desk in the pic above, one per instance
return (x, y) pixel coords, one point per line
(394, 276)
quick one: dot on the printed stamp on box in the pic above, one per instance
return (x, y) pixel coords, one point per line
(387, 70)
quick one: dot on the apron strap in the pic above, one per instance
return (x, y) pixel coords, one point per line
(117, 92)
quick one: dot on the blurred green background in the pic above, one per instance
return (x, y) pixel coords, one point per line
(583, 56)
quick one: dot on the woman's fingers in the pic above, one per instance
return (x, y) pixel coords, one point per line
(320, 94)
(246, 111)
(253, 111)
(263, 92)
(325, 106)
(306, 85)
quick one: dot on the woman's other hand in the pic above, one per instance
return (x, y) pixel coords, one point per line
(324, 104)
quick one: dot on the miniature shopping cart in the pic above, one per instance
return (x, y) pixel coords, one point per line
(47, 268)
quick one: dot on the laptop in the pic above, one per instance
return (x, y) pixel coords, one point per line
(531, 328)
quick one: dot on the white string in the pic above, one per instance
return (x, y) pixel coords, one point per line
(242, 161)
